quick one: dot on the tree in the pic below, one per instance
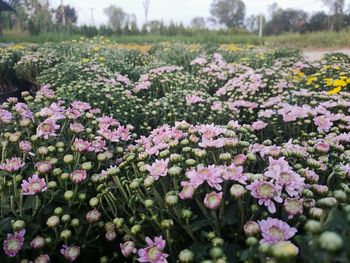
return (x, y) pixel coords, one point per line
(252, 23)
(65, 15)
(228, 12)
(198, 22)
(117, 18)
(336, 11)
(318, 21)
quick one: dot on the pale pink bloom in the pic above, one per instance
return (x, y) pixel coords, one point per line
(76, 127)
(322, 147)
(187, 190)
(158, 168)
(78, 176)
(43, 167)
(216, 106)
(80, 145)
(14, 243)
(323, 123)
(259, 125)
(293, 207)
(124, 133)
(209, 131)
(80, 106)
(213, 143)
(93, 216)
(128, 248)
(98, 145)
(198, 61)
(38, 242)
(266, 193)
(25, 146)
(153, 253)
(47, 128)
(24, 111)
(123, 79)
(210, 174)
(274, 231)
(106, 121)
(33, 185)
(234, 173)
(70, 253)
(213, 200)
(12, 165)
(193, 99)
(239, 159)
(72, 114)
(5, 116)
(233, 125)
(42, 259)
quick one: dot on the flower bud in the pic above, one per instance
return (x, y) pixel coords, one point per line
(38, 242)
(18, 225)
(136, 229)
(284, 250)
(225, 157)
(53, 221)
(313, 226)
(251, 228)
(186, 256)
(251, 241)
(190, 162)
(186, 214)
(65, 218)
(175, 171)
(111, 235)
(148, 203)
(101, 157)
(327, 202)
(217, 242)
(86, 166)
(148, 182)
(216, 252)
(93, 216)
(58, 211)
(171, 200)
(68, 195)
(75, 222)
(330, 241)
(119, 222)
(167, 223)
(237, 191)
(316, 212)
(340, 196)
(68, 158)
(66, 234)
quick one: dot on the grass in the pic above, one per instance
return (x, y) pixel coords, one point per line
(293, 40)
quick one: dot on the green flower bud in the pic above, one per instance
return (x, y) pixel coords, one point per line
(68, 158)
(264, 248)
(167, 223)
(190, 162)
(52, 185)
(284, 250)
(340, 196)
(66, 234)
(134, 184)
(58, 211)
(186, 256)
(217, 242)
(225, 157)
(330, 241)
(148, 182)
(175, 171)
(86, 166)
(82, 197)
(53, 221)
(148, 203)
(216, 252)
(237, 191)
(251, 157)
(251, 241)
(186, 214)
(18, 225)
(327, 202)
(57, 172)
(75, 222)
(94, 201)
(313, 226)
(136, 229)
(68, 195)
(65, 218)
(104, 259)
(101, 157)
(171, 200)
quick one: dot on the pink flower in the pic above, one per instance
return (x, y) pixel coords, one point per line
(13, 243)
(210, 174)
(76, 127)
(293, 207)
(187, 190)
(80, 145)
(213, 200)
(193, 99)
(5, 116)
(47, 128)
(80, 106)
(124, 133)
(274, 231)
(153, 253)
(33, 185)
(158, 168)
(70, 253)
(234, 173)
(259, 125)
(24, 111)
(323, 123)
(239, 159)
(43, 167)
(322, 147)
(128, 248)
(78, 176)
(12, 165)
(266, 192)
(72, 114)
(98, 145)
(38, 242)
(93, 216)
(25, 146)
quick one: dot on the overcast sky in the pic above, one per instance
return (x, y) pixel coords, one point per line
(176, 10)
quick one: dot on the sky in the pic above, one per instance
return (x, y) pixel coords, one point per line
(175, 10)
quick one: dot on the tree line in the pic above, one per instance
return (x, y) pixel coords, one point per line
(37, 16)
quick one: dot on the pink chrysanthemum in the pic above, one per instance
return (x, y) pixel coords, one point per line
(33, 185)
(158, 168)
(80, 106)
(25, 146)
(12, 165)
(266, 192)
(213, 200)
(259, 125)
(153, 253)
(13, 243)
(323, 123)
(70, 253)
(76, 127)
(47, 128)
(210, 174)
(78, 176)
(128, 248)
(80, 145)
(274, 231)
(187, 190)
(43, 167)
(5, 116)
(234, 173)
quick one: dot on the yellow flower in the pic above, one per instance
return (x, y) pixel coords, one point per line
(85, 60)
(339, 83)
(335, 90)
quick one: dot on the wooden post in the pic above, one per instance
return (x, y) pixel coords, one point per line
(261, 24)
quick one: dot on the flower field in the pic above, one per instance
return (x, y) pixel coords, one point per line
(173, 152)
